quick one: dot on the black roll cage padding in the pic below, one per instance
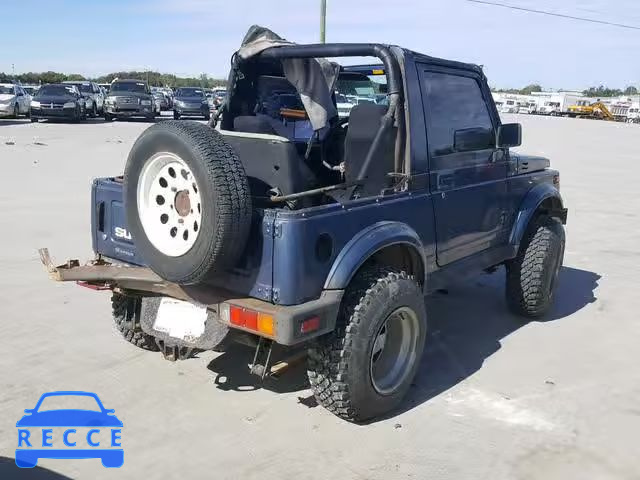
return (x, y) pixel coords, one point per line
(391, 66)
(394, 84)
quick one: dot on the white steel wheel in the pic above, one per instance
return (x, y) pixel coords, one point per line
(169, 204)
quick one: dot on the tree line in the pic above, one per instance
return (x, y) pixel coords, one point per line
(156, 79)
(600, 91)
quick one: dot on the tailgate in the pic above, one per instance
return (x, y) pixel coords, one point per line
(109, 232)
(251, 277)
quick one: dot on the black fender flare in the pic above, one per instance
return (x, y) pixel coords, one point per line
(366, 243)
(533, 200)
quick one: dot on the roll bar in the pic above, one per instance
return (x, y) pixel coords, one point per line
(383, 52)
(394, 84)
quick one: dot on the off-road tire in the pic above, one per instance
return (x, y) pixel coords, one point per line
(176, 116)
(94, 110)
(223, 188)
(16, 111)
(108, 117)
(126, 315)
(532, 275)
(339, 362)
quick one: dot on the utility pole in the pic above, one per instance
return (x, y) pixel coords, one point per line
(323, 20)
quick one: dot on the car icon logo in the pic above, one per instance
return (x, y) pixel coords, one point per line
(69, 433)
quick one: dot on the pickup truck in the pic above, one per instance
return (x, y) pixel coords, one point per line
(331, 242)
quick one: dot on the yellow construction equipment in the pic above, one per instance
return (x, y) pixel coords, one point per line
(596, 110)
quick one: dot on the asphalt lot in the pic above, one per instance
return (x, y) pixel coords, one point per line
(494, 399)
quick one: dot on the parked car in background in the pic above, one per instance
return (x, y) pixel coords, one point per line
(169, 94)
(161, 101)
(58, 101)
(130, 98)
(14, 101)
(344, 105)
(190, 101)
(31, 89)
(94, 98)
(218, 98)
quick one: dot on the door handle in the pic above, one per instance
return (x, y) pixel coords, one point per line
(445, 181)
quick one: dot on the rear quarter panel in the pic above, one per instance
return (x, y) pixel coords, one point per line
(299, 274)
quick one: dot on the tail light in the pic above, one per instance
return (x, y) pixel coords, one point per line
(247, 319)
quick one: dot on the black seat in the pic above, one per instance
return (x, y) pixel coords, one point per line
(253, 124)
(271, 163)
(364, 123)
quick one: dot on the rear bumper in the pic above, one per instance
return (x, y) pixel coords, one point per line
(288, 319)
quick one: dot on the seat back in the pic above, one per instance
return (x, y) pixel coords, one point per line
(253, 124)
(270, 162)
(364, 123)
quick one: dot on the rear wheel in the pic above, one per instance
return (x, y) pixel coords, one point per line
(533, 274)
(94, 110)
(16, 111)
(108, 117)
(126, 315)
(365, 367)
(176, 115)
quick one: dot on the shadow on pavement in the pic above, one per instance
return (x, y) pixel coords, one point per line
(466, 323)
(232, 372)
(9, 471)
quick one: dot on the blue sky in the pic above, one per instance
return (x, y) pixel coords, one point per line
(189, 37)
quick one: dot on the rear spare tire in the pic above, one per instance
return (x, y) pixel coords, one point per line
(187, 201)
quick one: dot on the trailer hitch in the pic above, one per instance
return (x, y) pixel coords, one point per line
(173, 353)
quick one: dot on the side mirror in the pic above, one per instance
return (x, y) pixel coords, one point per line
(469, 139)
(28, 410)
(19, 94)
(109, 411)
(509, 135)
